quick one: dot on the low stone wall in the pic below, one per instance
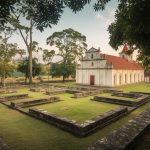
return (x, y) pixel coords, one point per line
(87, 93)
(71, 91)
(139, 101)
(3, 145)
(4, 91)
(128, 95)
(112, 91)
(36, 90)
(12, 97)
(114, 101)
(147, 93)
(72, 126)
(125, 137)
(55, 92)
(35, 102)
(78, 88)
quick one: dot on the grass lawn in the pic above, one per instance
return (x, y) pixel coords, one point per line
(64, 83)
(22, 132)
(80, 109)
(32, 95)
(135, 87)
(109, 95)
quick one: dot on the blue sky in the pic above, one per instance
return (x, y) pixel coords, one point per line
(88, 22)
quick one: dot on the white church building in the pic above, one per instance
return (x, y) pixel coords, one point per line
(107, 70)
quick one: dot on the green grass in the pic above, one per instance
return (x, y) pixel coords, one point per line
(109, 95)
(64, 83)
(22, 132)
(135, 87)
(32, 95)
(75, 108)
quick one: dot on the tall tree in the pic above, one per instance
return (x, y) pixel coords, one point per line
(39, 14)
(71, 45)
(30, 11)
(132, 26)
(23, 67)
(47, 57)
(45, 12)
(59, 70)
(7, 52)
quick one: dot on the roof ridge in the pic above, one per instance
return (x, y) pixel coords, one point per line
(121, 63)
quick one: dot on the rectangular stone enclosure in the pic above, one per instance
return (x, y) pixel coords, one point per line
(75, 128)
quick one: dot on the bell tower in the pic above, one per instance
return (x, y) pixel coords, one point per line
(125, 53)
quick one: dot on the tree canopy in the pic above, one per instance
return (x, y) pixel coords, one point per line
(131, 25)
(23, 67)
(7, 52)
(70, 43)
(59, 69)
(48, 56)
(45, 12)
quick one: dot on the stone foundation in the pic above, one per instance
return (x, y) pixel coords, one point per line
(147, 93)
(87, 93)
(125, 137)
(128, 95)
(4, 91)
(55, 92)
(139, 101)
(35, 102)
(72, 126)
(12, 97)
(3, 145)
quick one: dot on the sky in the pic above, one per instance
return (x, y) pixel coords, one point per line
(88, 22)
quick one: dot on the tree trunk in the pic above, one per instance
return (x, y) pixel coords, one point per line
(30, 67)
(3, 80)
(30, 54)
(48, 77)
(48, 73)
(63, 78)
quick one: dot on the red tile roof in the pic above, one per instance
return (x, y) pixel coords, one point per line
(121, 63)
(125, 48)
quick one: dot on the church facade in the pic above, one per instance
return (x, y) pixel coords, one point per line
(107, 70)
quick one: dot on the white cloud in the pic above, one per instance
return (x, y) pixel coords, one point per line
(99, 17)
(107, 16)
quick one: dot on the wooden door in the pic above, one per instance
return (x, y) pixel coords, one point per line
(92, 80)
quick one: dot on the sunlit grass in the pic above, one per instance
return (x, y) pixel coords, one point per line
(109, 95)
(143, 87)
(22, 132)
(80, 109)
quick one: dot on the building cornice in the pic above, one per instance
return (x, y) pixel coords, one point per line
(92, 59)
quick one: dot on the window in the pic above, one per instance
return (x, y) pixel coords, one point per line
(134, 78)
(138, 77)
(92, 56)
(130, 78)
(120, 78)
(125, 78)
(92, 64)
(114, 79)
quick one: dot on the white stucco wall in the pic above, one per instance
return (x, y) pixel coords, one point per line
(123, 77)
(103, 77)
(104, 73)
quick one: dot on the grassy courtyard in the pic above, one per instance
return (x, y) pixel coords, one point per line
(22, 132)
(109, 95)
(135, 88)
(80, 109)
